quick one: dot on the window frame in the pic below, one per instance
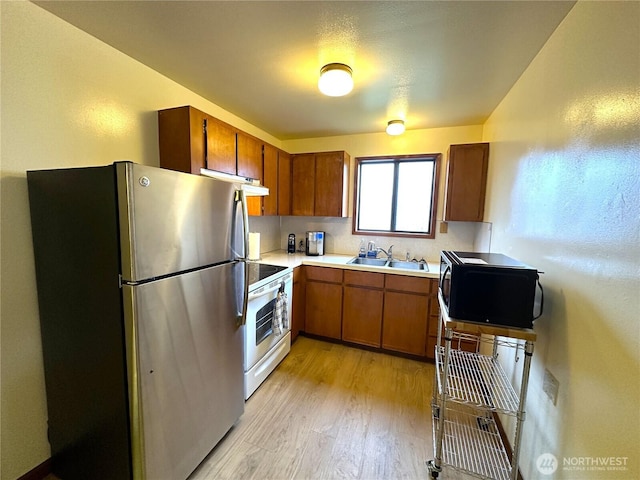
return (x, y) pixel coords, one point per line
(436, 158)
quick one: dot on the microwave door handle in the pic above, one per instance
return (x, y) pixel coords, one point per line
(444, 298)
(541, 300)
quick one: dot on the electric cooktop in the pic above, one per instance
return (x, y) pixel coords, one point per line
(261, 271)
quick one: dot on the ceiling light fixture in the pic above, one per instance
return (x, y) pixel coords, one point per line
(395, 127)
(335, 79)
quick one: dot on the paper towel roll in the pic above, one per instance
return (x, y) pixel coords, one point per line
(254, 246)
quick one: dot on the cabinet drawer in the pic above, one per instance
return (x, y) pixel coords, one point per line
(364, 279)
(324, 274)
(403, 283)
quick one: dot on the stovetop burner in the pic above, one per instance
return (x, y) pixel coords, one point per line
(260, 271)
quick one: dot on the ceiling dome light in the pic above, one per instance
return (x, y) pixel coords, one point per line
(335, 80)
(395, 127)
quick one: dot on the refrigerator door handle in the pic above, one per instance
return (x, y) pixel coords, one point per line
(239, 249)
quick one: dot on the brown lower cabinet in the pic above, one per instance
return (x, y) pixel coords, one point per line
(363, 297)
(406, 314)
(323, 302)
(405, 323)
(392, 312)
(298, 302)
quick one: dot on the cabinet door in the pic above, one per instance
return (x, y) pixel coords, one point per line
(362, 316)
(270, 180)
(181, 139)
(466, 182)
(284, 183)
(298, 302)
(221, 146)
(249, 156)
(323, 309)
(434, 319)
(404, 323)
(250, 166)
(303, 184)
(331, 173)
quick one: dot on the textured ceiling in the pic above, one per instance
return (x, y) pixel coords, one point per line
(431, 63)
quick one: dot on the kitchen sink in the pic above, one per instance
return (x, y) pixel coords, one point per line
(408, 265)
(383, 262)
(377, 262)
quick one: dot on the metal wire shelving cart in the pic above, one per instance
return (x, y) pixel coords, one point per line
(471, 389)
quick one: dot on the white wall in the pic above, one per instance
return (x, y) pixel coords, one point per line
(70, 100)
(67, 100)
(460, 235)
(564, 196)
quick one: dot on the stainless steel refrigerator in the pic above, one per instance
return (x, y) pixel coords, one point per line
(141, 289)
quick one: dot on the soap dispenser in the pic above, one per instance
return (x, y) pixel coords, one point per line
(362, 252)
(372, 251)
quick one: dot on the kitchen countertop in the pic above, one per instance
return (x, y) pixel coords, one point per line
(334, 260)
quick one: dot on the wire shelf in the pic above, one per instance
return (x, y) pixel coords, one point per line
(472, 444)
(478, 380)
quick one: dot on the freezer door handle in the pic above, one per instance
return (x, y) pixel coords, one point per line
(240, 239)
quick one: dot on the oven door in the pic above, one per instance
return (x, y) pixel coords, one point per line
(259, 334)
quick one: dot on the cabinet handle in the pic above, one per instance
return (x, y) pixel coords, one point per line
(206, 143)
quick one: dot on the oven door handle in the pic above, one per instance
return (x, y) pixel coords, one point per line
(253, 296)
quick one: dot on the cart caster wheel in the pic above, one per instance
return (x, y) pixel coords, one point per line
(433, 469)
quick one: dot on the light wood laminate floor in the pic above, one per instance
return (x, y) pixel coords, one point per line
(331, 412)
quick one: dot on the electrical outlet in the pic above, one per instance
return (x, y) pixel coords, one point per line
(550, 386)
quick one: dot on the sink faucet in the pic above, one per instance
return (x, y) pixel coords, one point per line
(389, 254)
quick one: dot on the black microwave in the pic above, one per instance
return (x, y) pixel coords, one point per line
(489, 288)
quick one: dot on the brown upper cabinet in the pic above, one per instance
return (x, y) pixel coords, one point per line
(320, 183)
(249, 156)
(190, 140)
(466, 182)
(220, 140)
(284, 183)
(181, 139)
(270, 180)
(276, 177)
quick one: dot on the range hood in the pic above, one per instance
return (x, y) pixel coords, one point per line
(250, 186)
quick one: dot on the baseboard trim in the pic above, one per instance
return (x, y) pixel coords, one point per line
(39, 472)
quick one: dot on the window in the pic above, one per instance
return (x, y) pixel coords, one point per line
(396, 195)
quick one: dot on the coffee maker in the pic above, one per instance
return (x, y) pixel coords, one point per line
(314, 243)
(291, 243)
